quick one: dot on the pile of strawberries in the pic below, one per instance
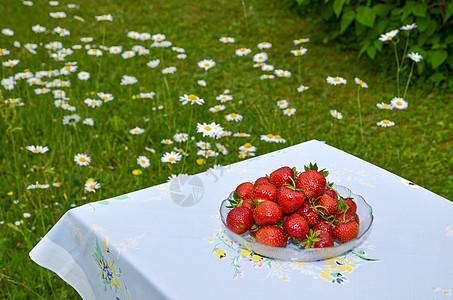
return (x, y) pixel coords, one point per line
(287, 205)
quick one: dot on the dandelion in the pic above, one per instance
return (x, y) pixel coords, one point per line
(233, 117)
(243, 51)
(217, 108)
(181, 137)
(136, 172)
(409, 27)
(282, 73)
(335, 80)
(192, 99)
(388, 36)
(71, 119)
(37, 149)
(206, 64)
(289, 111)
(128, 80)
(201, 83)
(302, 88)
(301, 41)
(212, 130)
(398, 103)
(361, 83)
(336, 114)
(104, 18)
(385, 123)
(136, 131)
(171, 157)
(82, 159)
(383, 105)
(260, 57)
(299, 52)
(88, 121)
(169, 70)
(143, 161)
(83, 75)
(92, 186)
(415, 57)
(227, 40)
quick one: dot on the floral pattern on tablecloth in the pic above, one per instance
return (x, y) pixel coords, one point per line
(334, 270)
(442, 292)
(106, 202)
(449, 231)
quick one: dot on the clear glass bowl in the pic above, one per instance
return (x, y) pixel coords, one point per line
(294, 252)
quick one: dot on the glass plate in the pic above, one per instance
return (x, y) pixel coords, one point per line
(294, 252)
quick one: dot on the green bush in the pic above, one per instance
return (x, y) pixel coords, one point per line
(360, 23)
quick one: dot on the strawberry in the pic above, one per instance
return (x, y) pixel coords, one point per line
(281, 176)
(272, 236)
(240, 219)
(263, 192)
(318, 239)
(326, 205)
(344, 232)
(267, 213)
(261, 180)
(312, 182)
(296, 227)
(323, 226)
(351, 204)
(332, 194)
(346, 216)
(308, 213)
(290, 199)
(249, 203)
(244, 190)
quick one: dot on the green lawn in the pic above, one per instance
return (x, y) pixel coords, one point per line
(417, 148)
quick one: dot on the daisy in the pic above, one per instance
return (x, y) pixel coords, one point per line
(166, 142)
(115, 49)
(279, 139)
(150, 150)
(95, 52)
(4, 52)
(14, 102)
(136, 130)
(243, 51)
(92, 102)
(302, 88)
(7, 32)
(201, 83)
(78, 18)
(127, 80)
(267, 76)
(58, 15)
(289, 111)
(38, 28)
(88, 121)
(260, 57)
(388, 36)
(217, 108)
(211, 130)
(153, 63)
(178, 49)
(41, 91)
(247, 147)
(180, 150)
(206, 64)
(169, 70)
(207, 153)
(383, 105)
(181, 56)
(76, 47)
(105, 97)
(128, 54)
(264, 45)
(133, 35)
(361, 83)
(37, 149)
(8, 83)
(143, 161)
(147, 95)
(409, 26)
(415, 56)
(267, 68)
(336, 114)
(301, 41)
(222, 149)
(164, 44)
(104, 18)
(241, 134)
(181, 137)
(158, 37)
(27, 3)
(203, 145)
(227, 40)
(27, 215)
(335, 80)
(61, 31)
(59, 94)
(192, 99)
(385, 123)
(11, 63)
(68, 70)
(398, 103)
(224, 98)
(82, 159)
(268, 138)
(92, 186)
(299, 52)
(171, 157)
(233, 117)
(53, 3)
(83, 75)
(71, 119)
(282, 104)
(258, 65)
(282, 73)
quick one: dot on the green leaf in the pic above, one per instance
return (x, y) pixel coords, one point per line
(365, 16)
(437, 77)
(449, 12)
(423, 23)
(449, 39)
(438, 57)
(382, 10)
(371, 51)
(381, 25)
(407, 10)
(378, 45)
(338, 7)
(346, 19)
(419, 9)
(364, 47)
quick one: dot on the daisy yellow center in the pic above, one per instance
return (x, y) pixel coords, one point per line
(208, 152)
(203, 145)
(105, 97)
(336, 79)
(158, 38)
(171, 159)
(270, 135)
(143, 161)
(181, 150)
(247, 145)
(40, 185)
(94, 50)
(241, 134)
(282, 73)
(260, 57)
(82, 159)
(299, 52)
(136, 131)
(167, 142)
(390, 36)
(181, 137)
(399, 103)
(43, 90)
(36, 150)
(206, 64)
(278, 137)
(217, 108)
(386, 121)
(207, 128)
(92, 186)
(57, 15)
(61, 30)
(360, 82)
(264, 43)
(234, 115)
(192, 97)
(223, 97)
(301, 40)
(242, 49)
(385, 105)
(67, 68)
(227, 39)
(93, 102)
(13, 100)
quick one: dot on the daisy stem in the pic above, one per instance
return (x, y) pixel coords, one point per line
(299, 69)
(408, 80)
(405, 48)
(245, 16)
(188, 138)
(397, 68)
(360, 112)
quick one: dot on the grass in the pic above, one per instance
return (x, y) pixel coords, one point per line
(416, 148)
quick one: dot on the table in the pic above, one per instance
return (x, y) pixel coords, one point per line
(167, 241)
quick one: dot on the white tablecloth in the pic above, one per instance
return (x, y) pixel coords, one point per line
(167, 241)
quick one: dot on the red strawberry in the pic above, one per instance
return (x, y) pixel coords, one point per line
(318, 239)
(272, 236)
(244, 190)
(282, 176)
(327, 205)
(344, 232)
(261, 180)
(263, 192)
(352, 206)
(267, 213)
(296, 226)
(323, 226)
(248, 203)
(290, 199)
(308, 213)
(312, 183)
(346, 216)
(240, 219)
(332, 194)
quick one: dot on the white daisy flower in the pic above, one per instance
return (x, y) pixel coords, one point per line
(201, 83)
(212, 130)
(127, 80)
(282, 73)
(104, 18)
(299, 52)
(302, 88)
(301, 41)
(153, 63)
(169, 70)
(398, 103)
(336, 114)
(227, 40)
(388, 36)
(260, 57)
(247, 147)
(92, 186)
(383, 105)
(243, 51)
(267, 76)
(361, 83)
(415, 56)
(335, 80)
(192, 99)
(136, 130)
(88, 121)
(409, 27)
(282, 104)
(241, 134)
(264, 45)
(82, 159)
(180, 137)
(217, 108)
(385, 123)
(289, 111)
(233, 117)
(206, 64)
(143, 161)
(83, 75)
(171, 157)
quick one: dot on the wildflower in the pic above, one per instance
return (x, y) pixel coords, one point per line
(289, 111)
(302, 88)
(383, 105)
(58, 15)
(206, 64)
(282, 73)
(83, 75)
(227, 40)
(243, 51)
(279, 139)
(92, 102)
(88, 121)
(361, 83)
(53, 3)
(61, 31)
(82, 159)
(233, 117)
(398, 103)
(38, 28)
(171, 157)
(211, 130)
(241, 134)
(385, 123)
(415, 56)
(222, 149)
(92, 186)
(299, 52)
(260, 57)
(203, 145)
(158, 37)
(57, 184)
(127, 80)
(26, 215)
(169, 70)
(150, 150)
(167, 142)
(27, 3)
(143, 161)
(258, 65)
(300, 41)
(217, 108)
(207, 153)
(163, 44)
(14, 101)
(409, 27)
(133, 35)
(180, 137)
(282, 104)
(264, 45)
(181, 56)
(105, 97)
(104, 18)
(128, 54)
(335, 80)
(153, 63)
(247, 147)
(136, 130)
(7, 32)
(115, 49)
(336, 114)
(4, 52)
(268, 137)
(267, 76)
(71, 119)
(78, 18)
(136, 172)
(224, 98)
(37, 149)
(192, 99)
(11, 63)
(94, 52)
(389, 35)
(201, 83)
